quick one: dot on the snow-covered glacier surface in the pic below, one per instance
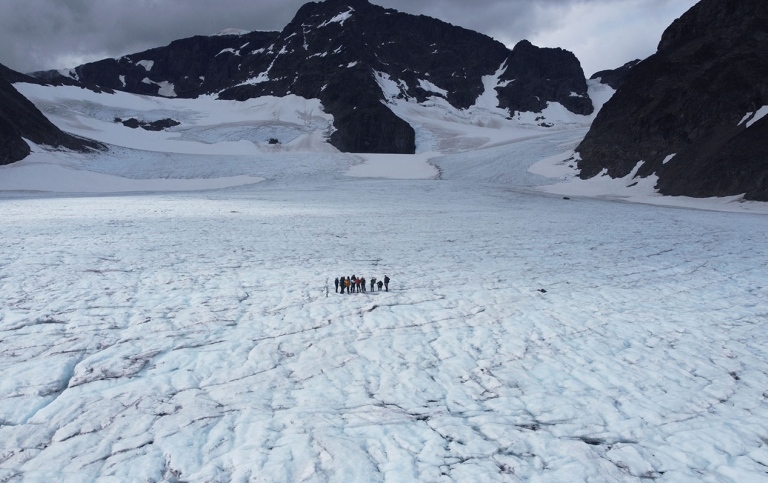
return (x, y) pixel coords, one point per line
(150, 332)
(525, 337)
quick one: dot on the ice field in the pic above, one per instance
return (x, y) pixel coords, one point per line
(152, 330)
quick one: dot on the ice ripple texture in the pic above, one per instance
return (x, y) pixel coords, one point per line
(189, 337)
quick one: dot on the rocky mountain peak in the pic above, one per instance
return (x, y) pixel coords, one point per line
(736, 17)
(340, 51)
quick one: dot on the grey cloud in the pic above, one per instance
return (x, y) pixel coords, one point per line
(41, 34)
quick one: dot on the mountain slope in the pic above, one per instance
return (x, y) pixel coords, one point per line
(614, 77)
(184, 68)
(338, 51)
(691, 112)
(20, 119)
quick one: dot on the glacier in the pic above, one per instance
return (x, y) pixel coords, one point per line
(169, 314)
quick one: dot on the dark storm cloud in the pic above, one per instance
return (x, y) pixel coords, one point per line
(45, 34)
(48, 34)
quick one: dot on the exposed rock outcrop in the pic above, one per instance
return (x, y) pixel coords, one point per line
(615, 77)
(20, 119)
(158, 125)
(700, 97)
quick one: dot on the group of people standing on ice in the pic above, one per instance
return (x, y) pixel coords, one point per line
(355, 284)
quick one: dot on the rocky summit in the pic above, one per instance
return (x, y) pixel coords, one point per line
(343, 52)
(692, 113)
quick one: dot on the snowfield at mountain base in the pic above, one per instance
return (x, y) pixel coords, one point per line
(151, 332)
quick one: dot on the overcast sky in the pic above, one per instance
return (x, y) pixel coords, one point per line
(53, 34)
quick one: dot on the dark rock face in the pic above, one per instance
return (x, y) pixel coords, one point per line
(20, 119)
(539, 75)
(690, 99)
(337, 51)
(195, 66)
(615, 77)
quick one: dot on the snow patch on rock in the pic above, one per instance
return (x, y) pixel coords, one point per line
(147, 64)
(340, 18)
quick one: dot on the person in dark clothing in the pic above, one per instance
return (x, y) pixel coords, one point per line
(379, 284)
(336, 282)
(373, 283)
(362, 284)
(386, 283)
